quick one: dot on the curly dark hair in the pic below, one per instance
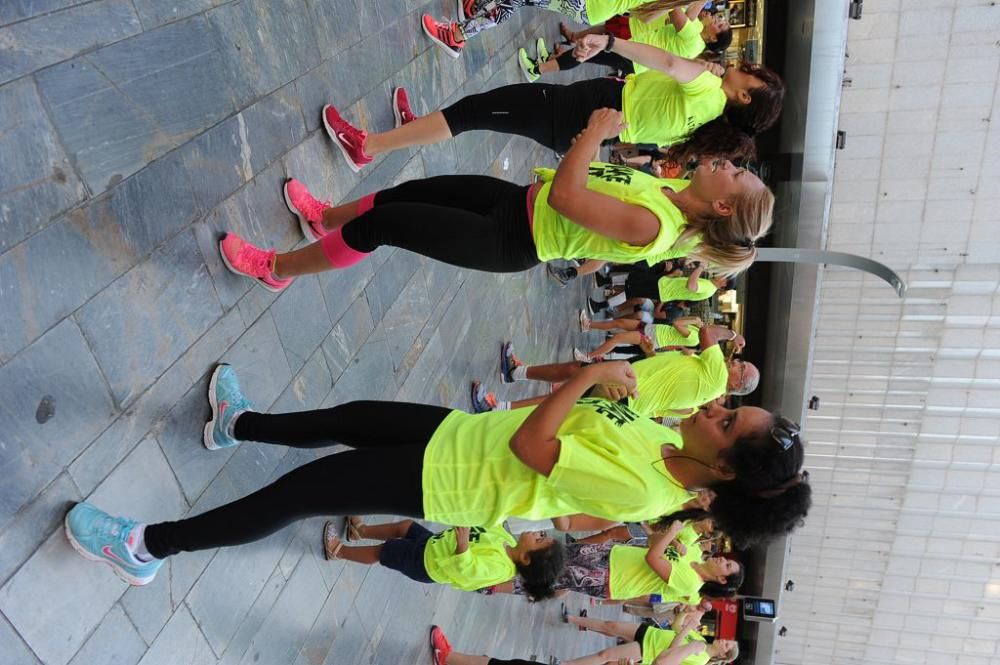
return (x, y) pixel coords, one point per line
(717, 138)
(714, 589)
(770, 495)
(687, 515)
(542, 570)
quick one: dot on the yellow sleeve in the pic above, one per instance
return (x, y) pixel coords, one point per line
(700, 84)
(477, 567)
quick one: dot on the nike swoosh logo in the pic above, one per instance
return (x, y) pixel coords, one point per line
(343, 138)
(108, 552)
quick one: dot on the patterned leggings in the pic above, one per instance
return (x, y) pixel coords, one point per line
(491, 13)
(587, 570)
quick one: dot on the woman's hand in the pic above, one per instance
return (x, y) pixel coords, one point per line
(589, 46)
(615, 373)
(608, 123)
(715, 68)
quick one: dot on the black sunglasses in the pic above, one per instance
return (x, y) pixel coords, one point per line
(785, 432)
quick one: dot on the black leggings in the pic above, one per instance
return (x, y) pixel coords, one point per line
(548, 113)
(470, 221)
(613, 60)
(382, 476)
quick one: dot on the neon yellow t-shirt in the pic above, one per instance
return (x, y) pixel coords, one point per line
(630, 576)
(558, 237)
(610, 465)
(667, 335)
(657, 640)
(671, 381)
(688, 535)
(661, 33)
(484, 564)
(660, 110)
(599, 11)
(675, 288)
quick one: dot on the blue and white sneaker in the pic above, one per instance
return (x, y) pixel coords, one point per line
(227, 402)
(481, 400)
(508, 362)
(100, 537)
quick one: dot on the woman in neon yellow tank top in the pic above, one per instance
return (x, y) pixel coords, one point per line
(568, 455)
(596, 210)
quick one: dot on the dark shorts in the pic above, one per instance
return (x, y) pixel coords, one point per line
(406, 554)
(640, 634)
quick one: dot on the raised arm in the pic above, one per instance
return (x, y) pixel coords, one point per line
(592, 210)
(692, 283)
(711, 335)
(679, 17)
(674, 66)
(535, 442)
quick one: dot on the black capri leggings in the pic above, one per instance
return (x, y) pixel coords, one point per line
(548, 113)
(613, 60)
(470, 221)
(382, 475)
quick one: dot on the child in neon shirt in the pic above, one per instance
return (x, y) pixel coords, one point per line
(467, 558)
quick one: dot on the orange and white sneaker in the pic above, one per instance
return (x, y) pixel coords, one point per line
(440, 646)
(443, 34)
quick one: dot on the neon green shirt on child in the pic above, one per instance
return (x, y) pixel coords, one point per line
(610, 465)
(599, 11)
(484, 564)
(630, 576)
(675, 288)
(660, 110)
(686, 42)
(657, 640)
(671, 381)
(667, 335)
(558, 237)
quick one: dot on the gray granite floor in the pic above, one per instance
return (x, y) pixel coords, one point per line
(132, 132)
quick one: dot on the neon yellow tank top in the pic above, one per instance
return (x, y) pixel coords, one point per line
(558, 237)
(658, 640)
(661, 33)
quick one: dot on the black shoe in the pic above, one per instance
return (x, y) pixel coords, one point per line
(562, 276)
(593, 307)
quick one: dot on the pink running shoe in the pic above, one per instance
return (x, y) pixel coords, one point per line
(401, 107)
(307, 208)
(443, 34)
(244, 259)
(347, 137)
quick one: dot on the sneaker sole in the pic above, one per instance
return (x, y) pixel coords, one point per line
(503, 357)
(233, 270)
(395, 108)
(472, 397)
(440, 44)
(86, 554)
(208, 439)
(526, 74)
(333, 137)
(328, 528)
(304, 224)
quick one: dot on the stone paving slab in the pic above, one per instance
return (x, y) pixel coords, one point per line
(126, 149)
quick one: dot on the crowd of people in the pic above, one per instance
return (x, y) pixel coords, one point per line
(643, 450)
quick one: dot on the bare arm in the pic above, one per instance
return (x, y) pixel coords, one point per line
(692, 284)
(535, 442)
(711, 335)
(592, 210)
(674, 66)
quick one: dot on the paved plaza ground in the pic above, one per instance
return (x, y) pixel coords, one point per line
(134, 132)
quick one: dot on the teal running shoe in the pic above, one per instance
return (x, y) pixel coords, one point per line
(100, 537)
(227, 402)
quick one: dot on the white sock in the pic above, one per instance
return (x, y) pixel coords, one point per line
(136, 544)
(502, 405)
(520, 373)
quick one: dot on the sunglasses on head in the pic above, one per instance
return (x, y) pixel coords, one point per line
(785, 432)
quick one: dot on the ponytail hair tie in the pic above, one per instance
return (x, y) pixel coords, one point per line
(794, 481)
(749, 243)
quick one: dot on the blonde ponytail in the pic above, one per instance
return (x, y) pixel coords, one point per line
(729, 244)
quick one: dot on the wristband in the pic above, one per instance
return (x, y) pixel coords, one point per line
(611, 43)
